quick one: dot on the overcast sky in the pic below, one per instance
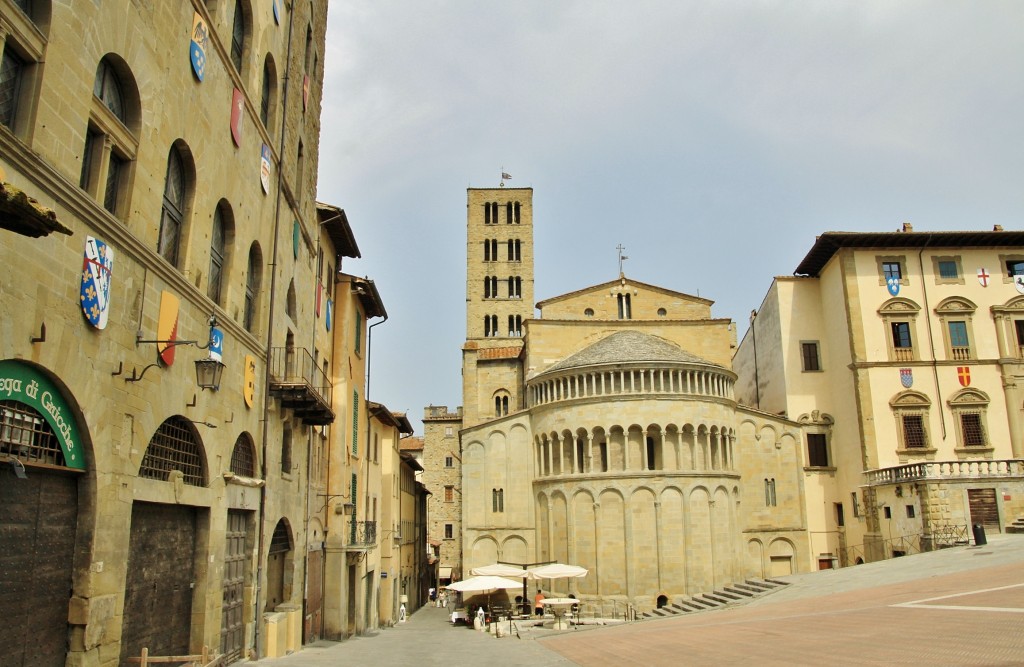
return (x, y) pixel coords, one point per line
(714, 140)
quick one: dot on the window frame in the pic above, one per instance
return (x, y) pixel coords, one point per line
(972, 402)
(939, 260)
(804, 346)
(957, 311)
(912, 405)
(895, 312)
(900, 260)
(172, 213)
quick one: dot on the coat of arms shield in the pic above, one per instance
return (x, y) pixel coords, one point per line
(95, 289)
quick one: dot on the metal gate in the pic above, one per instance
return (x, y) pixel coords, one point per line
(37, 531)
(314, 596)
(984, 509)
(159, 585)
(236, 578)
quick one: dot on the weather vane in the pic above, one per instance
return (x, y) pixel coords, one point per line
(504, 177)
(622, 257)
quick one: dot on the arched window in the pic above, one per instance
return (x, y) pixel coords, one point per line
(253, 278)
(279, 562)
(243, 456)
(911, 408)
(508, 213)
(110, 144)
(238, 36)
(266, 91)
(290, 306)
(26, 436)
(173, 212)
(175, 446)
(218, 249)
(969, 407)
(517, 212)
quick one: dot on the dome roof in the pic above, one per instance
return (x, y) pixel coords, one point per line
(626, 347)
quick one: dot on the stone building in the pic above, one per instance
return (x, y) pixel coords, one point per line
(158, 218)
(901, 355)
(604, 432)
(442, 475)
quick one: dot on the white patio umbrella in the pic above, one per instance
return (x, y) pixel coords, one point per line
(483, 584)
(500, 570)
(557, 571)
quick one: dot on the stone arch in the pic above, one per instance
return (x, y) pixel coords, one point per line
(611, 548)
(782, 557)
(483, 551)
(756, 557)
(514, 549)
(280, 566)
(175, 447)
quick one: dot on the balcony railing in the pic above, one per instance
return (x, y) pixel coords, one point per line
(301, 385)
(362, 535)
(903, 353)
(961, 353)
(945, 470)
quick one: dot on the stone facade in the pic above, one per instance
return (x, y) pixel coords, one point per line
(622, 447)
(442, 474)
(233, 498)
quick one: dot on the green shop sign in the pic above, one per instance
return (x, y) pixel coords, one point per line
(23, 383)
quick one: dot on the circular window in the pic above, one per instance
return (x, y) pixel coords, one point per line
(662, 312)
(589, 312)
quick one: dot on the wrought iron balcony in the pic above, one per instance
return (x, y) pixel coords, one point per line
(301, 385)
(362, 535)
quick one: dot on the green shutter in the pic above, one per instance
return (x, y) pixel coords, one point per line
(355, 423)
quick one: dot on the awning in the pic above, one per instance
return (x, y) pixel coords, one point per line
(23, 215)
(444, 572)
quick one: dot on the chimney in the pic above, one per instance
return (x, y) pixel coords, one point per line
(907, 227)
(997, 228)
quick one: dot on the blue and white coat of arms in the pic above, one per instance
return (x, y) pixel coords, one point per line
(97, 266)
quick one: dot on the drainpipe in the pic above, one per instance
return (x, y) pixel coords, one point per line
(369, 429)
(931, 341)
(270, 330)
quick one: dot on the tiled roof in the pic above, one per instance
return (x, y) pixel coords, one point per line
(500, 353)
(628, 347)
(412, 443)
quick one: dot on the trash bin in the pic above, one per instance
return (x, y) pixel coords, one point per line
(979, 534)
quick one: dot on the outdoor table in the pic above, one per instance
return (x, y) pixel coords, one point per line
(559, 606)
(459, 615)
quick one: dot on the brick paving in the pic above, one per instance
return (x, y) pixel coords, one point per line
(957, 607)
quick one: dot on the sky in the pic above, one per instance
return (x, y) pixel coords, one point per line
(714, 140)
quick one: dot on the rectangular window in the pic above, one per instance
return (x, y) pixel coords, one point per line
(892, 270)
(114, 171)
(887, 512)
(355, 423)
(855, 499)
(11, 68)
(840, 516)
(948, 270)
(970, 426)
(448, 431)
(911, 512)
(958, 334)
(901, 335)
(809, 354)
(1014, 267)
(449, 462)
(449, 531)
(769, 493)
(913, 432)
(1019, 327)
(817, 450)
(449, 494)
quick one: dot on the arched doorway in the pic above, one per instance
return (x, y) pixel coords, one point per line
(40, 467)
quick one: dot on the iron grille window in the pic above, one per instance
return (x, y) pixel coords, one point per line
(174, 447)
(243, 460)
(281, 541)
(970, 425)
(913, 432)
(26, 435)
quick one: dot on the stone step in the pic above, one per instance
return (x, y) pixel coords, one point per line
(736, 590)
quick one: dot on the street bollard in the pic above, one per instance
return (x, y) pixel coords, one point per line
(979, 534)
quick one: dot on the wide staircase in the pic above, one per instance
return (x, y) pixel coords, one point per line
(735, 594)
(1017, 527)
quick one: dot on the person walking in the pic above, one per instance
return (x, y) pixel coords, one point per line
(538, 603)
